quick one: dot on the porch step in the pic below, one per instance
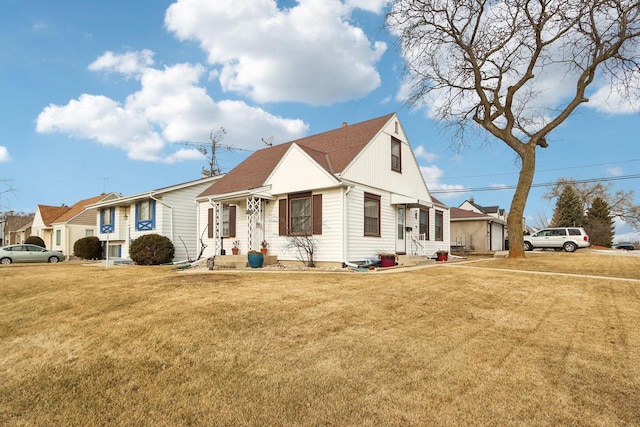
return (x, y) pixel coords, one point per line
(408, 260)
(240, 261)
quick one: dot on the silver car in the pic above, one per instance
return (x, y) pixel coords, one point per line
(559, 238)
(28, 253)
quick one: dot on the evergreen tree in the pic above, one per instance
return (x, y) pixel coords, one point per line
(568, 211)
(599, 223)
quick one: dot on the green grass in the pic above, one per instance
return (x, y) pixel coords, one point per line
(84, 345)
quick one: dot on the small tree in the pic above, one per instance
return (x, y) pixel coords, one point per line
(35, 240)
(151, 249)
(88, 248)
(599, 223)
(304, 246)
(568, 211)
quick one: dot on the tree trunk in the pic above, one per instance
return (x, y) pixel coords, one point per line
(515, 220)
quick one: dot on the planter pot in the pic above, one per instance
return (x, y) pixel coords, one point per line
(442, 256)
(235, 251)
(255, 260)
(263, 251)
(387, 260)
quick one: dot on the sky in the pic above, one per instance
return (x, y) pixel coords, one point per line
(116, 96)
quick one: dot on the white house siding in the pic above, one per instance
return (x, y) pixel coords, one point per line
(329, 243)
(367, 167)
(360, 246)
(298, 172)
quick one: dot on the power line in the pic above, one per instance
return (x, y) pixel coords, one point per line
(540, 170)
(546, 184)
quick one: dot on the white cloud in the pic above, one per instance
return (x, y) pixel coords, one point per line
(611, 98)
(308, 53)
(4, 154)
(499, 186)
(432, 175)
(615, 171)
(421, 153)
(129, 64)
(170, 107)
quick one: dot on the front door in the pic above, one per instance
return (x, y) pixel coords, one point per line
(401, 243)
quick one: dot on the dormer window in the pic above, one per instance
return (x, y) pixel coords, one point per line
(396, 155)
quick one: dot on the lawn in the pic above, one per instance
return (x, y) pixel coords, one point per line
(447, 345)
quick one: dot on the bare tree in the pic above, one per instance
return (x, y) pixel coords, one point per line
(484, 64)
(304, 247)
(620, 202)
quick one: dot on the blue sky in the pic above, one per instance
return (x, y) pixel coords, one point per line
(102, 96)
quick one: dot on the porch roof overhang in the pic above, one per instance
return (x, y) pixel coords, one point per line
(399, 199)
(261, 193)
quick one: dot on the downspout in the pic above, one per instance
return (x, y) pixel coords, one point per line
(345, 229)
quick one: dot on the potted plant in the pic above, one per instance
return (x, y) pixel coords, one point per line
(387, 259)
(442, 255)
(263, 247)
(255, 259)
(236, 247)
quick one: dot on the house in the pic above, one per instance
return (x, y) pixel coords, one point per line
(42, 220)
(16, 228)
(478, 228)
(168, 211)
(355, 191)
(60, 227)
(75, 223)
(494, 211)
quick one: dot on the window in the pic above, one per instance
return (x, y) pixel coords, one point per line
(107, 219)
(58, 237)
(439, 226)
(115, 251)
(396, 155)
(228, 221)
(145, 215)
(300, 214)
(88, 232)
(371, 215)
(423, 225)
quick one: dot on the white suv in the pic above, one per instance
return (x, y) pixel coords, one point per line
(567, 238)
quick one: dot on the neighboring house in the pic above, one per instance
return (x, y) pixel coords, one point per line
(44, 217)
(16, 229)
(357, 190)
(169, 212)
(77, 222)
(494, 211)
(476, 231)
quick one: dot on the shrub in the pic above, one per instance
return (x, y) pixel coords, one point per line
(35, 240)
(88, 248)
(151, 249)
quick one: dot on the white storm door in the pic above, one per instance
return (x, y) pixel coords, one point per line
(401, 243)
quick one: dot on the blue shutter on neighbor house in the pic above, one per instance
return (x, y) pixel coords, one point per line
(147, 224)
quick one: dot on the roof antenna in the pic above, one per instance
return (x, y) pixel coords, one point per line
(268, 142)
